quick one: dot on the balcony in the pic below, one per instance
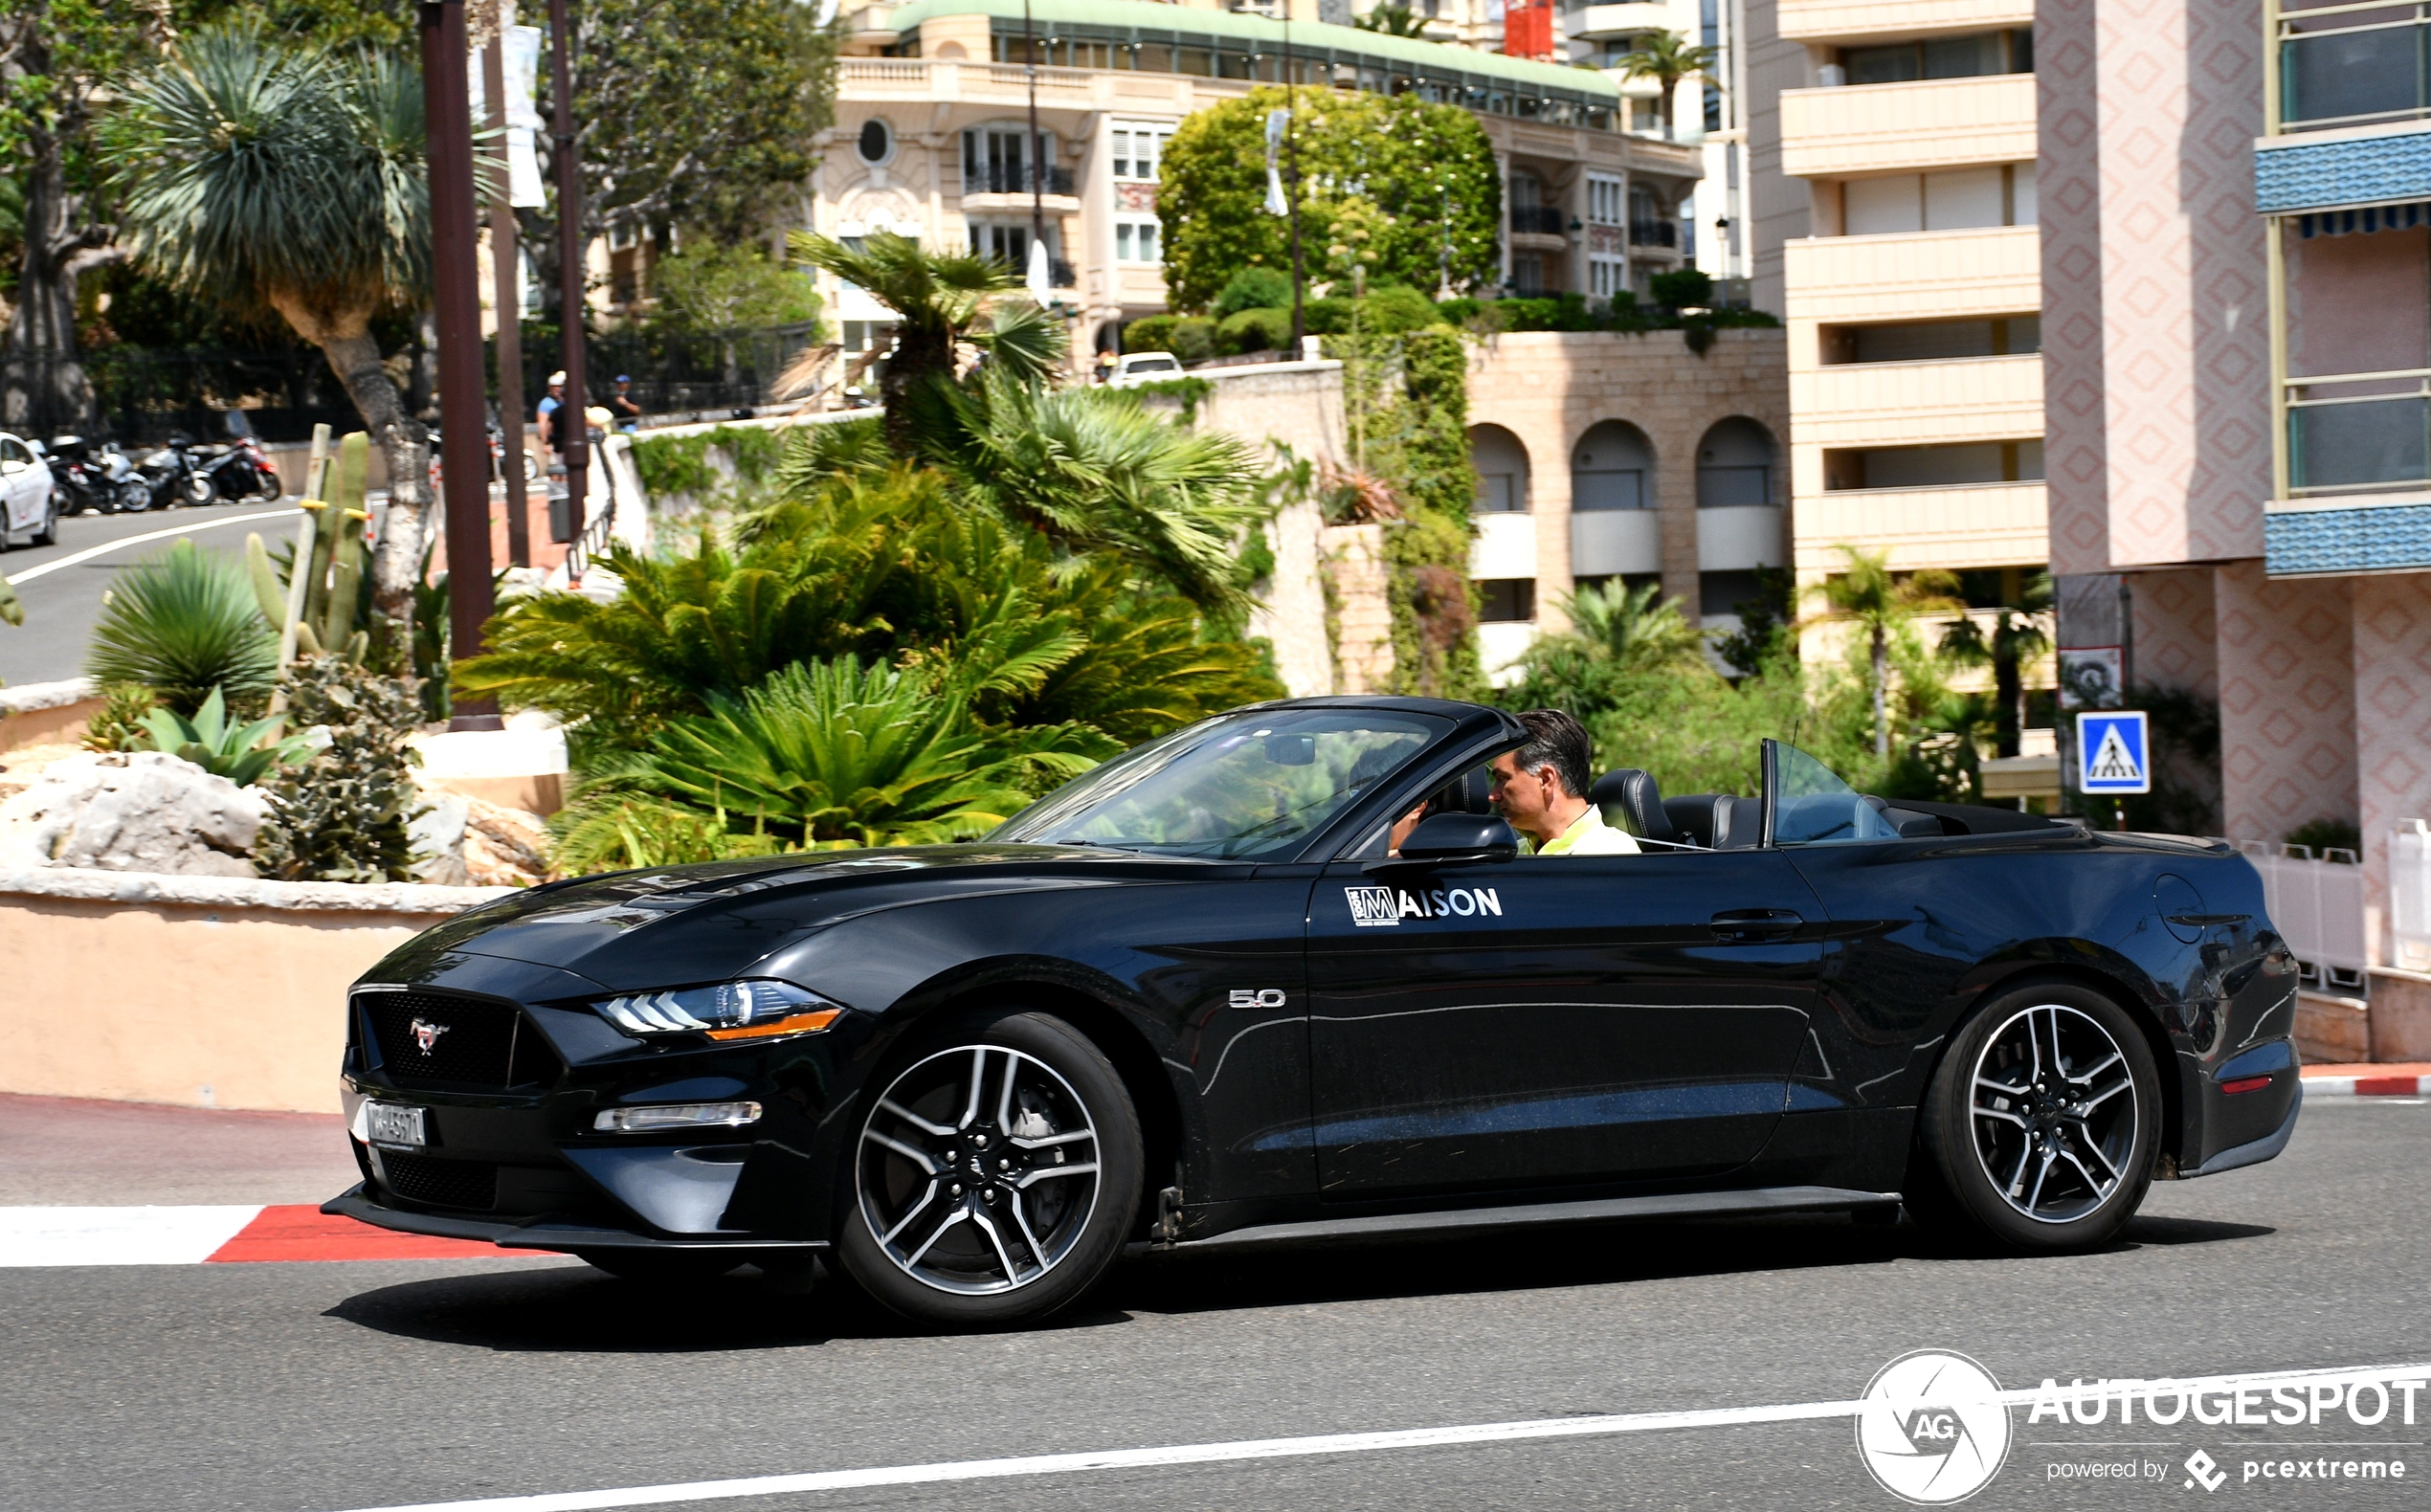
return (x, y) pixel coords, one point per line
(2358, 464)
(2341, 66)
(1629, 19)
(1850, 20)
(1001, 180)
(1916, 276)
(1911, 128)
(1951, 401)
(1664, 233)
(2353, 166)
(1538, 220)
(1957, 526)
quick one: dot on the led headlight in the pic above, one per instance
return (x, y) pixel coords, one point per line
(757, 1010)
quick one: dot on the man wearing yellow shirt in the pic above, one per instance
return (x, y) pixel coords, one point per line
(1539, 788)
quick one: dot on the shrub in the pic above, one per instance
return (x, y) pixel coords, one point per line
(1192, 338)
(239, 753)
(1257, 330)
(1396, 308)
(182, 624)
(1254, 288)
(1154, 333)
(120, 725)
(342, 816)
(1682, 289)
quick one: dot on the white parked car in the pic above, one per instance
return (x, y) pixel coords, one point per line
(1134, 368)
(25, 496)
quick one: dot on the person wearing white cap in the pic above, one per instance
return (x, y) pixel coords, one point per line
(550, 403)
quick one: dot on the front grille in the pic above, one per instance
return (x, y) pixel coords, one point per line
(471, 1043)
(442, 1183)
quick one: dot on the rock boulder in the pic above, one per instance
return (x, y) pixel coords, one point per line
(133, 811)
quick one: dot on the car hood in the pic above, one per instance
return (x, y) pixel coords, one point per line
(628, 930)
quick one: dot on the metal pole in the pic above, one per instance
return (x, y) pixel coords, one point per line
(447, 108)
(1037, 168)
(571, 420)
(506, 265)
(1291, 155)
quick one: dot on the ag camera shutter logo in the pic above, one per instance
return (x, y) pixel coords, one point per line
(1932, 1428)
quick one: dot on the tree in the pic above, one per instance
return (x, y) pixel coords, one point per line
(1420, 178)
(1668, 60)
(940, 298)
(697, 114)
(1392, 20)
(56, 56)
(2017, 638)
(713, 288)
(1882, 602)
(256, 173)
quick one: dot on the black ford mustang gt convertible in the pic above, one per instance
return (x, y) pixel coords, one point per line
(1199, 998)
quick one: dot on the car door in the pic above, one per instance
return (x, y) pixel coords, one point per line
(21, 485)
(1558, 1021)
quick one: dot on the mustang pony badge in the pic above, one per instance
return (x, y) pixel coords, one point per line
(427, 1034)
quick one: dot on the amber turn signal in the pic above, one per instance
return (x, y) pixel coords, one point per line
(790, 1023)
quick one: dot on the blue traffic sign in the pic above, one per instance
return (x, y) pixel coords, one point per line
(2113, 753)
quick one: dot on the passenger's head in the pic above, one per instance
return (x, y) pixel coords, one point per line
(1541, 786)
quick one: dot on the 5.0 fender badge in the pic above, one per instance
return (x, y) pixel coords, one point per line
(426, 1033)
(1372, 907)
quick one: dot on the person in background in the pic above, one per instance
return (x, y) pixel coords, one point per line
(621, 405)
(1541, 789)
(1107, 362)
(551, 440)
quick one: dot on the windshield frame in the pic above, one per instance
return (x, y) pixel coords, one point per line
(1467, 726)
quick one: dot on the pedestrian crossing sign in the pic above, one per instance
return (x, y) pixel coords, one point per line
(2113, 754)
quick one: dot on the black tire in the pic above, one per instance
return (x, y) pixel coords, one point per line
(47, 533)
(661, 1267)
(1027, 1144)
(199, 490)
(2043, 1122)
(134, 496)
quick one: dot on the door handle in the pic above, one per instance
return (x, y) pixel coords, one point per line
(1746, 924)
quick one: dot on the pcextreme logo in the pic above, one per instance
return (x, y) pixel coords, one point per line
(1371, 908)
(1932, 1428)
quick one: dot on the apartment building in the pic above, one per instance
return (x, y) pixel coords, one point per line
(932, 139)
(2238, 280)
(1894, 208)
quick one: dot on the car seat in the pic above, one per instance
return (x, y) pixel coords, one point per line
(1716, 820)
(1635, 794)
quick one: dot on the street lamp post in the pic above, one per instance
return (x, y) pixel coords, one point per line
(447, 108)
(572, 422)
(1037, 168)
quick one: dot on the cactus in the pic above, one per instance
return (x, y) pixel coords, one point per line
(343, 524)
(269, 593)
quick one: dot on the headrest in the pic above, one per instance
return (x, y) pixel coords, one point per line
(1470, 792)
(1636, 795)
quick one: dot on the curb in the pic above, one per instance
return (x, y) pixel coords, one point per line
(2408, 1087)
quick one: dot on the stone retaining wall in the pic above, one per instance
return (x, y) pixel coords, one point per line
(201, 991)
(46, 713)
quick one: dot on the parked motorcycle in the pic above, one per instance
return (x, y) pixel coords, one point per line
(497, 459)
(176, 476)
(242, 470)
(88, 478)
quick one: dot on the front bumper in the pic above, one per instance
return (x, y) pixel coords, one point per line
(543, 1232)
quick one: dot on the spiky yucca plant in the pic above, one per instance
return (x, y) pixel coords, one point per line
(182, 624)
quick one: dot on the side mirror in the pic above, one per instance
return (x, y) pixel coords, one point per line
(1453, 839)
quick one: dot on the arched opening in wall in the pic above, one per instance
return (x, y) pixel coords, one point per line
(1500, 465)
(1109, 338)
(952, 50)
(1615, 528)
(1739, 521)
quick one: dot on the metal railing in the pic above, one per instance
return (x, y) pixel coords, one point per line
(997, 179)
(2323, 74)
(1654, 233)
(2317, 904)
(1540, 220)
(2377, 437)
(2409, 894)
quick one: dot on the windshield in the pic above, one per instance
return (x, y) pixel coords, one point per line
(1255, 784)
(1813, 806)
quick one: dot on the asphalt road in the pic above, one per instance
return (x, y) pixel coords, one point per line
(63, 603)
(321, 1388)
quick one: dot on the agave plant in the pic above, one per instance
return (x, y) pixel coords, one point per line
(185, 624)
(239, 753)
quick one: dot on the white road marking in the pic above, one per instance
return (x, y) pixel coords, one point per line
(1292, 1447)
(152, 1235)
(108, 546)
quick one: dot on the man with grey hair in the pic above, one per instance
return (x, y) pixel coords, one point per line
(1541, 790)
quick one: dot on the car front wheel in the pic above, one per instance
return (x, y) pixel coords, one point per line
(2041, 1124)
(47, 533)
(995, 1176)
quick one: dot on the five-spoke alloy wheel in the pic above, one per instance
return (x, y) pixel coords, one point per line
(2042, 1120)
(995, 1176)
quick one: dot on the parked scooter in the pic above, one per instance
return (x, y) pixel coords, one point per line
(241, 469)
(87, 479)
(176, 476)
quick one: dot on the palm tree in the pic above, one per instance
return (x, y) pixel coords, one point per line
(1393, 20)
(256, 173)
(1636, 626)
(1669, 60)
(1871, 595)
(2017, 638)
(940, 298)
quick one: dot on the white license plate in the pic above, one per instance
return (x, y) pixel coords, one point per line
(391, 1124)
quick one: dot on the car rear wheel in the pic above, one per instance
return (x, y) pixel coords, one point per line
(995, 1176)
(2041, 1124)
